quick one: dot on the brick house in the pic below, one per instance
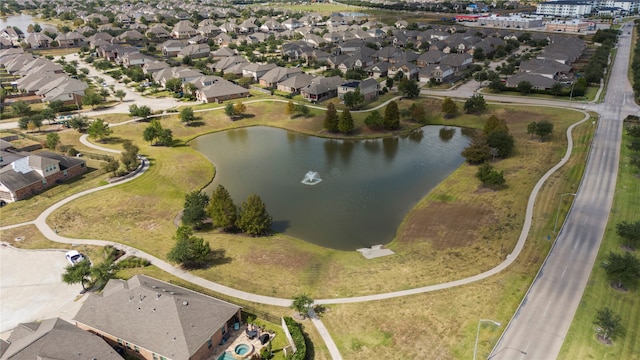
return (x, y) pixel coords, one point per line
(155, 320)
(32, 174)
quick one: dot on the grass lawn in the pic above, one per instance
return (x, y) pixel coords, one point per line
(322, 8)
(263, 266)
(581, 342)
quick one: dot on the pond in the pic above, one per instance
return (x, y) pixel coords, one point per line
(21, 21)
(366, 187)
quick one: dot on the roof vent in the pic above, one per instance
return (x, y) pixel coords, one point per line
(185, 303)
(154, 286)
(158, 296)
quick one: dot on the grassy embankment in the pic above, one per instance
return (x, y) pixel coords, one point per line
(264, 266)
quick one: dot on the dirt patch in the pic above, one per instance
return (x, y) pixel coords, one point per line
(603, 340)
(446, 225)
(296, 261)
(621, 288)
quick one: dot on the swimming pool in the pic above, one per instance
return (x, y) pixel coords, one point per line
(226, 356)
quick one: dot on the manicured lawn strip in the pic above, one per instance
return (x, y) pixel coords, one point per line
(581, 342)
(443, 324)
(142, 213)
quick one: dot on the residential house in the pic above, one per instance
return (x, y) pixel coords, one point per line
(153, 319)
(538, 82)
(158, 31)
(294, 83)
(33, 174)
(430, 57)
(183, 30)
(195, 51)
(154, 66)
(378, 70)
(129, 37)
(11, 35)
(69, 91)
(223, 39)
(547, 68)
(292, 24)
(71, 39)
(256, 71)
(180, 72)
(387, 53)
(221, 91)
(369, 88)
(224, 64)
(435, 74)
(171, 48)
(271, 26)
(321, 89)
(222, 53)
(458, 62)
(272, 77)
(38, 40)
(134, 59)
(408, 70)
(54, 339)
(100, 39)
(247, 26)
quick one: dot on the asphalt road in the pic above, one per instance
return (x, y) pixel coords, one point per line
(539, 326)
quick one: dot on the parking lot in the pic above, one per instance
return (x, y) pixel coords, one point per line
(31, 288)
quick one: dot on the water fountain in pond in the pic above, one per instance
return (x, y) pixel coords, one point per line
(311, 178)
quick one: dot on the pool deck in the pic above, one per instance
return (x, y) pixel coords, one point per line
(240, 337)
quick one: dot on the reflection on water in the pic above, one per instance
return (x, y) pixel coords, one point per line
(22, 22)
(446, 133)
(367, 186)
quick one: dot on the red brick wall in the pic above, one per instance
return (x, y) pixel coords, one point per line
(38, 186)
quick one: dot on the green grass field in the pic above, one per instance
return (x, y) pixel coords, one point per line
(581, 342)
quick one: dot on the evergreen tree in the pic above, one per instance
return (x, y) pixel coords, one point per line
(475, 104)
(222, 210)
(187, 116)
(374, 121)
(544, 128)
(189, 251)
(290, 109)
(331, 118)
(392, 116)
(418, 112)
(194, 212)
(502, 141)
(99, 130)
(345, 124)
(494, 123)
(449, 108)
(253, 218)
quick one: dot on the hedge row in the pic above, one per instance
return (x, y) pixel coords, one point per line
(298, 339)
(635, 65)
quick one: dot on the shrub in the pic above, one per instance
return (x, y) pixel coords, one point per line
(298, 338)
(133, 262)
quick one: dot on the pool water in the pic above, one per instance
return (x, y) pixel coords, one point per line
(226, 356)
(242, 349)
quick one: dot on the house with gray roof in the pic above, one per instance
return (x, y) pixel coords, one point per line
(293, 84)
(547, 68)
(321, 89)
(538, 82)
(369, 88)
(153, 319)
(54, 339)
(255, 70)
(183, 30)
(32, 174)
(194, 51)
(272, 77)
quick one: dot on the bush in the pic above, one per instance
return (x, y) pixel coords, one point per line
(133, 262)
(298, 339)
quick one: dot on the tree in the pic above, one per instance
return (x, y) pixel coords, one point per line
(478, 151)
(630, 233)
(409, 88)
(186, 115)
(502, 141)
(391, 116)
(496, 85)
(152, 132)
(374, 120)
(302, 304)
(389, 83)
(544, 128)
(253, 218)
(345, 124)
(92, 99)
(353, 99)
(129, 157)
(194, 211)
(139, 111)
(23, 122)
(290, 109)
(331, 118)
(531, 128)
(111, 166)
(78, 273)
(47, 114)
(475, 104)
(239, 109)
(189, 251)
(556, 88)
(494, 123)
(20, 108)
(229, 110)
(103, 272)
(449, 108)
(165, 137)
(56, 106)
(608, 324)
(99, 130)
(490, 177)
(79, 122)
(302, 110)
(120, 94)
(418, 112)
(524, 87)
(53, 139)
(173, 85)
(221, 209)
(478, 54)
(622, 268)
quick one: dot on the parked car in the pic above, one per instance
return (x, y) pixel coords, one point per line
(74, 257)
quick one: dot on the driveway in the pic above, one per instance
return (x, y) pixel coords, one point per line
(31, 289)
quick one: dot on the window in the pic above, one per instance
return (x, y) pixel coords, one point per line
(44, 181)
(209, 343)
(136, 348)
(155, 357)
(65, 173)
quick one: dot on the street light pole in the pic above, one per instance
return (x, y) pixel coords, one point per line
(475, 349)
(571, 94)
(558, 212)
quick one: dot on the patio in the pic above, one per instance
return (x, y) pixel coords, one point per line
(240, 336)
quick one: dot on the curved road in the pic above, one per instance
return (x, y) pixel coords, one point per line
(539, 326)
